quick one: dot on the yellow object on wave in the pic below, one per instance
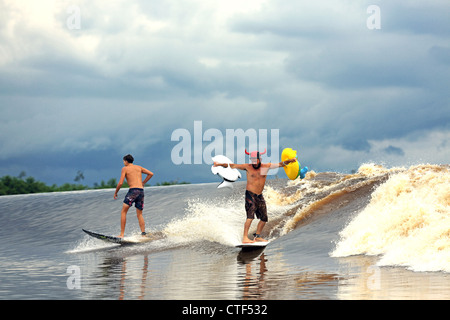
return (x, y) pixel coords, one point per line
(292, 169)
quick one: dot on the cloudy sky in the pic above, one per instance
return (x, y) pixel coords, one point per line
(84, 82)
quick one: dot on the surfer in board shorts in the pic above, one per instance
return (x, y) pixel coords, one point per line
(133, 174)
(255, 205)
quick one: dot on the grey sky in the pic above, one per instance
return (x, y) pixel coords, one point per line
(79, 94)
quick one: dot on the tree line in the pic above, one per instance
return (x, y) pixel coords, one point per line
(21, 185)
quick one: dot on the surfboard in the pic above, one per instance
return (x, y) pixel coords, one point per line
(227, 174)
(254, 245)
(117, 240)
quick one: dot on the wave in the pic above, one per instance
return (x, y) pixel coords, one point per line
(289, 206)
(400, 214)
(406, 223)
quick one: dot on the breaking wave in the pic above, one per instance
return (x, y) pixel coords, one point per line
(401, 215)
(407, 222)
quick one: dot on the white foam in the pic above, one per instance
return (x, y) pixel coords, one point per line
(407, 222)
(207, 221)
(223, 221)
(88, 244)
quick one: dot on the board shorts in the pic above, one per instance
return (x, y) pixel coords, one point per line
(255, 205)
(136, 196)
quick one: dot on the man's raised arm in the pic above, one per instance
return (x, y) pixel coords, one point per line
(282, 163)
(231, 165)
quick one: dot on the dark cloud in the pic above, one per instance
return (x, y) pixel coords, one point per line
(394, 151)
(376, 83)
(132, 74)
(417, 18)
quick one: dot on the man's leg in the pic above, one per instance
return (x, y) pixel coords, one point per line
(261, 213)
(141, 220)
(247, 225)
(123, 219)
(259, 229)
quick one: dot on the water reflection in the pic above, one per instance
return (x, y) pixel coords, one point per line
(270, 277)
(365, 280)
(191, 274)
(257, 275)
(252, 283)
(123, 276)
(119, 278)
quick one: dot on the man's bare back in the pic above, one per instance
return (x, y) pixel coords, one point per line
(133, 174)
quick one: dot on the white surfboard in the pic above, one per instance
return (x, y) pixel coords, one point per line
(227, 174)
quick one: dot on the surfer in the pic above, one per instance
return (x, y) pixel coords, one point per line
(254, 200)
(133, 174)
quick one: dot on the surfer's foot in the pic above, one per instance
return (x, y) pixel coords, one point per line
(120, 236)
(144, 234)
(247, 240)
(257, 238)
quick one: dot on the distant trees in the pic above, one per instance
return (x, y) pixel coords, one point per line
(23, 185)
(15, 185)
(171, 183)
(112, 183)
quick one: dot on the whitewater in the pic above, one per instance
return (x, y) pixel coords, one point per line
(379, 233)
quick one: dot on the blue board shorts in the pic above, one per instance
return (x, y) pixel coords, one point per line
(136, 196)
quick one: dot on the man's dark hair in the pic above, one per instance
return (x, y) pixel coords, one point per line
(128, 158)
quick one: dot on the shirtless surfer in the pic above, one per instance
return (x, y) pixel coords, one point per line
(133, 174)
(254, 200)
